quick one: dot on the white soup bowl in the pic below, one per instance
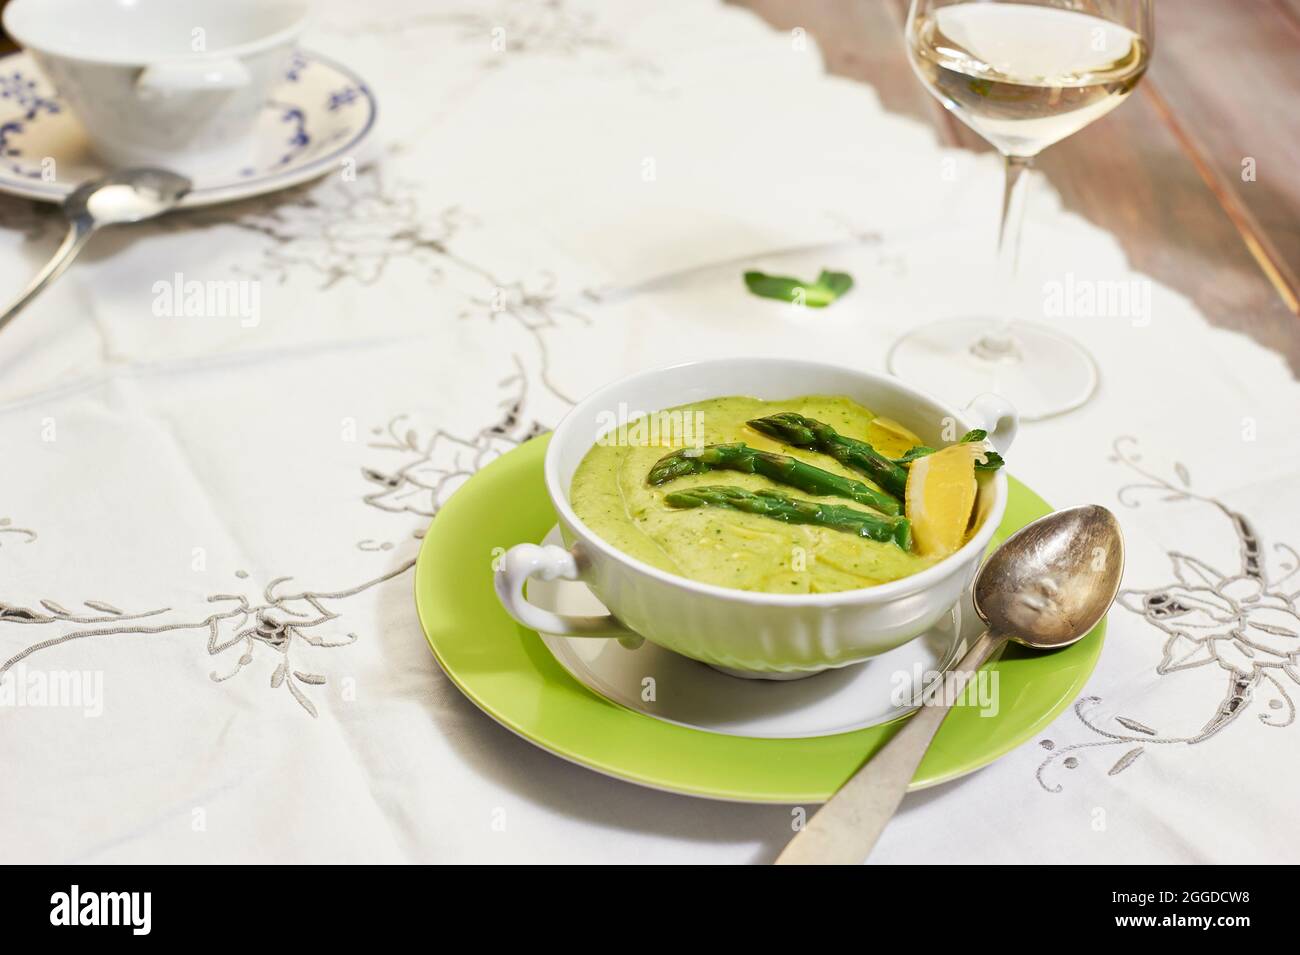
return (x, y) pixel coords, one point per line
(753, 634)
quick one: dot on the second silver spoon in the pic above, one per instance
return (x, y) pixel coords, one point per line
(131, 195)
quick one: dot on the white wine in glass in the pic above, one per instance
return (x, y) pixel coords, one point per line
(1023, 74)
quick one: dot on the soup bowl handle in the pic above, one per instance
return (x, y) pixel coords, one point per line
(998, 417)
(548, 562)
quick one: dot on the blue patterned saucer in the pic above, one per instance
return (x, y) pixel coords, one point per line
(314, 123)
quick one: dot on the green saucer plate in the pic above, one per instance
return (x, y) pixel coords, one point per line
(508, 672)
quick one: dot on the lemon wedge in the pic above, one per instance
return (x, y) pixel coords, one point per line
(940, 498)
(891, 438)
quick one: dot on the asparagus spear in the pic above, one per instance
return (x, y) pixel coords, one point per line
(782, 507)
(800, 432)
(779, 467)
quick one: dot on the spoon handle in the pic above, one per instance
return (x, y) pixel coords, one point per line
(79, 230)
(846, 828)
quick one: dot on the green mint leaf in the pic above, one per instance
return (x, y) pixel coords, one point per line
(991, 461)
(828, 287)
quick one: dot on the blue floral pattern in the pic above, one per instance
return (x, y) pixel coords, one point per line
(18, 88)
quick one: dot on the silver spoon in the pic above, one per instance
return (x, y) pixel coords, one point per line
(131, 195)
(1047, 585)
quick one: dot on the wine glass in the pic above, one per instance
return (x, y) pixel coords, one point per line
(1023, 74)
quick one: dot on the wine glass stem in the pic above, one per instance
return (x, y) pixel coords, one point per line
(998, 344)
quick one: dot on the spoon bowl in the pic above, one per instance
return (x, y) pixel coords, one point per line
(129, 195)
(1053, 580)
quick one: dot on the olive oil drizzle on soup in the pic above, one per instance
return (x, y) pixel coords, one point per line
(721, 546)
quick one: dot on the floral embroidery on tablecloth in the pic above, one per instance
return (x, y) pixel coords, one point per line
(341, 232)
(280, 621)
(1244, 620)
(273, 621)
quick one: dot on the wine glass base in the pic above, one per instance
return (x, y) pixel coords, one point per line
(1044, 374)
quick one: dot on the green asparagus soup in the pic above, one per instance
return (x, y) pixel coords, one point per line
(734, 547)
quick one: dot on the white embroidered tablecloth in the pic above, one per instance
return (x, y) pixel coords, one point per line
(534, 163)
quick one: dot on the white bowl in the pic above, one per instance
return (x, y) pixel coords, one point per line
(756, 634)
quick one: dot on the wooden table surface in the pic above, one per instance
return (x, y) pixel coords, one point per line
(1164, 172)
